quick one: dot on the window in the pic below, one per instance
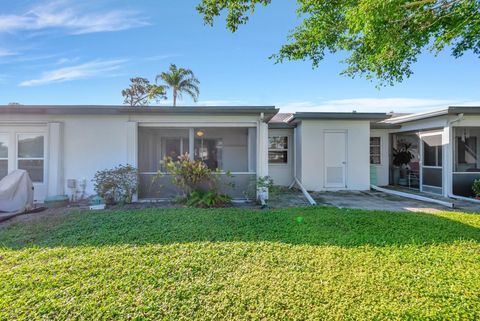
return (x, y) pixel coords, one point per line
(30, 155)
(375, 148)
(3, 155)
(278, 150)
(432, 151)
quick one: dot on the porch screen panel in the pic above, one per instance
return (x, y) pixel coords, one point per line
(432, 176)
(432, 150)
(432, 163)
(466, 149)
(466, 152)
(152, 186)
(156, 143)
(222, 148)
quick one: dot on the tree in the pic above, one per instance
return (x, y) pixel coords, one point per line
(181, 81)
(382, 37)
(141, 92)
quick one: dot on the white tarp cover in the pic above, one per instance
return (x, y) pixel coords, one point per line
(16, 192)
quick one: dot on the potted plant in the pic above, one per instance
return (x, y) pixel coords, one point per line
(476, 188)
(401, 158)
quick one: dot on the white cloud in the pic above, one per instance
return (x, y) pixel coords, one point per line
(67, 15)
(6, 52)
(162, 57)
(369, 105)
(86, 70)
(64, 61)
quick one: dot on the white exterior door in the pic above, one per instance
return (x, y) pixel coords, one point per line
(335, 154)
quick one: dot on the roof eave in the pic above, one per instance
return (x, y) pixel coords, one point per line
(339, 116)
(268, 111)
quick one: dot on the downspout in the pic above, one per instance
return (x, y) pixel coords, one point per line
(449, 124)
(262, 193)
(295, 179)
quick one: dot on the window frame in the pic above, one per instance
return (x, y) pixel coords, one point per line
(7, 136)
(287, 150)
(17, 158)
(379, 153)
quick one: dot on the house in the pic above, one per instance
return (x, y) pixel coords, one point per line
(63, 146)
(445, 145)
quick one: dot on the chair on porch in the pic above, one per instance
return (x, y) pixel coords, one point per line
(414, 175)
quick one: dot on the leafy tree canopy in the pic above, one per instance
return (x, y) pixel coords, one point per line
(141, 92)
(382, 38)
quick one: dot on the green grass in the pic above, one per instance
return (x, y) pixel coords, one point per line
(237, 264)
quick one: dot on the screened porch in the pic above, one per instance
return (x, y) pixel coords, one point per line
(228, 149)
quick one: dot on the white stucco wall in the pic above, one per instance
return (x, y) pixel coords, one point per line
(383, 168)
(358, 158)
(282, 174)
(89, 143)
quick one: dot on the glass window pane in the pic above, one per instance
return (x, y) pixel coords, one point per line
(375, 141)
(3, 168)
(30, 146)
(278, 157)
(3, 146)
(278, 142)
(374, 160)
(34, 169)
(375, 150)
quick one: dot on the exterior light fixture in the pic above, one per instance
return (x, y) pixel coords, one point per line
(200, 133)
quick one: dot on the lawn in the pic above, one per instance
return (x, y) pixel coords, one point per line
(240, 264)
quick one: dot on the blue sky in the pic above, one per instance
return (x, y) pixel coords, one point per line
(84, 52)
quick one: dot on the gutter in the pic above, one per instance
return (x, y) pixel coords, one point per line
(295, 179)
(305, 192)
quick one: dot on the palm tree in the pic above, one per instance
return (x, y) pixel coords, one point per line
(182, 81)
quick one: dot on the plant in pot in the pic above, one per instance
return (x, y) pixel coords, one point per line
(401, 158)
(476, 188)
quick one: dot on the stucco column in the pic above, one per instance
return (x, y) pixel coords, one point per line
(131, 132)
(55, 159)
(262, 152)
(191, 143)
(447, 159)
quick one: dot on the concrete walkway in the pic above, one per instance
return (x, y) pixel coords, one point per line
(373, 200)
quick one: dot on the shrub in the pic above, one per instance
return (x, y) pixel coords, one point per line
(402, 154)
(476, 187)
(187, 174)
(206, 199)
(116, 185)
(200, 184)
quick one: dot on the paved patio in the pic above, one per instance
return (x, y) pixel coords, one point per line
(373, 200)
